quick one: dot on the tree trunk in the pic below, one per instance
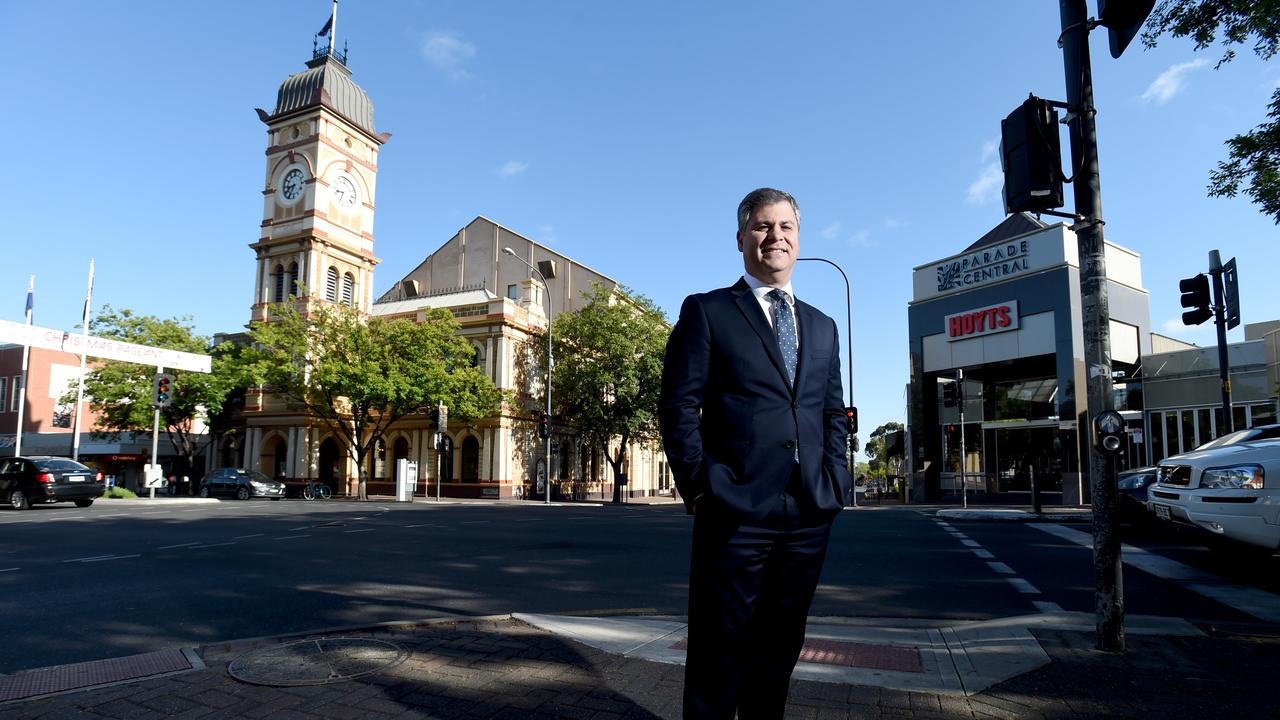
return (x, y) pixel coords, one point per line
(616, 464)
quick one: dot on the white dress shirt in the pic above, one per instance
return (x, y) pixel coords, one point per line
(761, 291)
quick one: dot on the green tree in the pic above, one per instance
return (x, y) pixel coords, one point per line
(1253, 158)
(360, 375)
(878, 460)
(121, 392)
(608, 370)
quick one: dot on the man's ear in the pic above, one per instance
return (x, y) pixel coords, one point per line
(739, 236)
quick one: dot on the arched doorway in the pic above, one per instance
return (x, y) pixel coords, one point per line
(471, 459)
(399, 450)
(275, 457)
(331, 457)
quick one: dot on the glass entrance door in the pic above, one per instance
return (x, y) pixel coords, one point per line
(1025, 451)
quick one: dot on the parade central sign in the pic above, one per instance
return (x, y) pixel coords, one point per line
(993, 263)
(49, 339)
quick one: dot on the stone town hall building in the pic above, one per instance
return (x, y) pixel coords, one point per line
(317, 242)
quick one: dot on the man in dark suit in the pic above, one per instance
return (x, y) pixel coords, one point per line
(755, 432)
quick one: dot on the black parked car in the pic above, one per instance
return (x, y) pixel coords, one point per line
(47, 479)
(240, 484)
(1132, 486)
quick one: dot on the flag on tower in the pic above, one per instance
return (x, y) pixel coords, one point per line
(31, 286)
(327, 25)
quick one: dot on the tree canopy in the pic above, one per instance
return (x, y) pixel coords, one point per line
(607, 372)
(1253, 158)
(359, 375)
(121, 392)
(878, 460)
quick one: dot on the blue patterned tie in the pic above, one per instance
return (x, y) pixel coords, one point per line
(785, 325)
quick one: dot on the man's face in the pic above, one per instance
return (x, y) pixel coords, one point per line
(770, 243)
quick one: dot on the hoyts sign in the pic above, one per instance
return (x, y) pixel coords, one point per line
(983, 321)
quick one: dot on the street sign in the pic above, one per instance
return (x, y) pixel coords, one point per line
(50, 339)
(444, 418)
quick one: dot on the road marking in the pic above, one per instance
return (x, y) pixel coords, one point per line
(66, 517)
(202, 547)
(425, 525)
(304, 527)
(356, 531)
(86, 559)
(1001, 568)
(242, 537)
(9, 569)
(970, 543)
(474, 522)
(1045, 606)
(527, 520)
(984, 554)
(112, 515)
(170, 547)
(100, 558)
(290, 537)
(1023, 586)
(1252, 601)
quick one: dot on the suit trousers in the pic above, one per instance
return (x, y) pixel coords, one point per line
(750, 588)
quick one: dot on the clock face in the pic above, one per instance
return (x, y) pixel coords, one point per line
(344, 192)
(291, 187)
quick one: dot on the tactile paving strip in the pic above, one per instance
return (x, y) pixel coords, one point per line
(87, 674)
(853, 654)
(316, 661)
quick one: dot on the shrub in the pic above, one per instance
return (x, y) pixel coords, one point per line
(120, 493)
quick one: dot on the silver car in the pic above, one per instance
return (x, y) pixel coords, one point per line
(240, 484)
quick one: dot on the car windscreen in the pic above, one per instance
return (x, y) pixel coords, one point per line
(255, 476)
(1259, 433)
(58, 465)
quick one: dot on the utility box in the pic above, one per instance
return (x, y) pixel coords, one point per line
(406, 480)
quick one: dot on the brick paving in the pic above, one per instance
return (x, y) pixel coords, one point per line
(505, 669)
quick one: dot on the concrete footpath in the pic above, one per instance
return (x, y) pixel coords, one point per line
(549, 666)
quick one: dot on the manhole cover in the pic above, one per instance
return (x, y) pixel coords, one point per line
(318, 661)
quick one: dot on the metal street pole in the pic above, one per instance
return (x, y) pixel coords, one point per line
(964, 481)
(547, 289)
(1095, 312)
(155, 444)
(1220, 320)
(848, 301)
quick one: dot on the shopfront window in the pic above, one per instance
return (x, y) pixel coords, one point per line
(1157, 436)
(1262, 415)
(1025, 399)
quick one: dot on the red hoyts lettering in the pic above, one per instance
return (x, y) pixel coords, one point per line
(956, 327)
(980, 321)
(1002, 318)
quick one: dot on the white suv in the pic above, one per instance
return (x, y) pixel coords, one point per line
(1229, 487)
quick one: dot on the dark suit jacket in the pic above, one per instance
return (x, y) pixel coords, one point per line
(731, 423)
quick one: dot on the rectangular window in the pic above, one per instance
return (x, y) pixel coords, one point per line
(4, 388)
(511, 292)
(1262, 414)
(16, 391)
(1156, 425)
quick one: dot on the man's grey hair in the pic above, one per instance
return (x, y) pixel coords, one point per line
(761, 197)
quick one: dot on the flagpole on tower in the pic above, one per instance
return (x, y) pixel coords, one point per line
(333, 25)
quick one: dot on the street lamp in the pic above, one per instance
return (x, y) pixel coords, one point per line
(848, 299)
(546, 288)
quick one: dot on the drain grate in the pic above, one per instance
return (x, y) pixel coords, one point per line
(317, 661)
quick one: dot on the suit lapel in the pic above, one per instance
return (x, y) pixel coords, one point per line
(754, 314)
(805, 327)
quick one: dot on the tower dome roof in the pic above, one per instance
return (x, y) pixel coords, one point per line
(327, 82)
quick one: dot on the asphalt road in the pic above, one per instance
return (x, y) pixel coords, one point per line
(116, 579)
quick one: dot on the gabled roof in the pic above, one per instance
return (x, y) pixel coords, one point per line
(1016, 224)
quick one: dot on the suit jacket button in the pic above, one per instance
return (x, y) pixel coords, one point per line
(788, 445)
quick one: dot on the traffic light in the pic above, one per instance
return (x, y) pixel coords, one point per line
(162, 396)
(544, 426)
(949, 396)
(851, 413)
(1031, 156)
(1123, 19)
(1108, 432)
(1195, 295)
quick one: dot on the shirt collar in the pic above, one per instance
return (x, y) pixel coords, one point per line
(761, 291)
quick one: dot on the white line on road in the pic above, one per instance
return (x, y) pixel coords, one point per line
(360, 530)
(112, 514)
(170, 547)
(290, 537)
(425, 525)
(1258, 603)
(527, 520)
(1023, 586)
(100, 558)
(1001, 568)
(1045, 606)
(476, 522)
(984, 554)
(201, 547)
(9, 569)
(304, 527)
(242, 537)
(970, 543)
(85, 559)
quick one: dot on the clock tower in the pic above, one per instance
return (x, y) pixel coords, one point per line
(316, 242)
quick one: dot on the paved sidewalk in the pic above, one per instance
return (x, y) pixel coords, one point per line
(506, 668)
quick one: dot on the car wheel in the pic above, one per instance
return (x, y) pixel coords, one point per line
(242, 493)
(84, 503)
(19, 501)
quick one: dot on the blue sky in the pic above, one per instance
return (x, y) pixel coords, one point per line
(622, 135)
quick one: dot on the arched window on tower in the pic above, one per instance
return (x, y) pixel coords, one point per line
(331, 285)
(278, 277)
(292, 287)
(348, 290)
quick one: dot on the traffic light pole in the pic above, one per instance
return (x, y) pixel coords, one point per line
(1220, 320)
(155, 442)
(964, 481)
(1108, 577)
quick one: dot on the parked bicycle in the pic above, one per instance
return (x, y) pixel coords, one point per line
(316, 491)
